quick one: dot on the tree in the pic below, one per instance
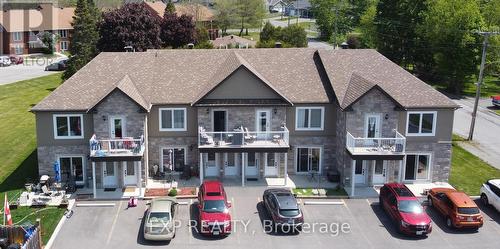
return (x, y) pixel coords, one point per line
(491, 14)
(250, 13)
(291, 36)
(225, 14)
(268, 32)
(367, 26)
(134, 25)
(396, 25)
(450, 35)
(202, 39)
(170, 8)
(84, 38)
(356, 10)
(331, 13)
(49, 41)
(177, 31)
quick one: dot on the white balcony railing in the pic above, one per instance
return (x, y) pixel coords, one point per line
(126, 146)
(376, 146)
(240, 138)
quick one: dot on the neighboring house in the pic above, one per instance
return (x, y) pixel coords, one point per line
(245, 114)
(200, 13)
(299, 7)
(276, 6)
(233, 41)
(19, 28)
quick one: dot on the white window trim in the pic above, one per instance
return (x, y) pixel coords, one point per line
(14, 36)
(416, 154)
(297, 128)
(66, 45)
(420, 134)
(160, 111)
(54, 124)
(296, 154)
(174, 147)
(83, 165)
(63, 31)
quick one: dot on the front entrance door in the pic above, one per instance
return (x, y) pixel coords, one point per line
(263, 124)
(117, 127)
(75, 166)
(230, 162)
(379, 171)
(219, 121)
(252, 164)
(211, 166)
(372, 125)
(129, 173)
(271, 166)
(360, 172)
(109, 173)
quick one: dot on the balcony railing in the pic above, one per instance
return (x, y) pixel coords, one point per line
(376, 146)
(126, 146)
(242, 138)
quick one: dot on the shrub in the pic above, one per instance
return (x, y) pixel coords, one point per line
(172, 192)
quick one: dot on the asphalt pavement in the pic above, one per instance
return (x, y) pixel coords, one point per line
(15, 73)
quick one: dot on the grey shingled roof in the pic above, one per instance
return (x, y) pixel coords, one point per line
(353, 72)
(182, 76)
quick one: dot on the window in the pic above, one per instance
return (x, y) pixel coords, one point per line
(68, 126)
(17, 36)
(175, 156)
(417, 167)
(309, 118)
(308, 160)
(172, 119)
(421, 124)
(72, 166)
(63, 33)
(64, 45)
(18, 48)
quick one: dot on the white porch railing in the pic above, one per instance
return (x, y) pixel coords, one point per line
(116, 147)
(243, 138)
(376, 146)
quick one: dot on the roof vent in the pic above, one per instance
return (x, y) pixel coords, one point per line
(344, 45)
(232, 37)
(190, 45)
(277, 45)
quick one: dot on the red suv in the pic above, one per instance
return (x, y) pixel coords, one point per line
(214, 217)
(404, 209)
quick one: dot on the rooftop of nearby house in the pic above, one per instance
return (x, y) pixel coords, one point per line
(298, 75)
(45, 17)
(197, 11)
(233, 40)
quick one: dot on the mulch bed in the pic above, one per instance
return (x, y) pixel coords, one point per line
(150, 192)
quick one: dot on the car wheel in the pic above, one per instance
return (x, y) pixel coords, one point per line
(429, 201)
(484, 199)
(449, 224)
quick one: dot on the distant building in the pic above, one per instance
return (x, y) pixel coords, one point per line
(299, 7)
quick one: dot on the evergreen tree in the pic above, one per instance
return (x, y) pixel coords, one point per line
(84, 37)
(170, 8)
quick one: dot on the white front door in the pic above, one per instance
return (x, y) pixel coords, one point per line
(271, 165)
(263, 123)
(252, 164)
(230, 162)
(210, 163)
(109, 173)
(372, 125)
(129, 173)
(360, 172)
(379, 171)
(117, 127)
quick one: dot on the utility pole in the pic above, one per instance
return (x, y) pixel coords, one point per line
(480, 80)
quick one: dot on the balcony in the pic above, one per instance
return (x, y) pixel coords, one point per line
(376, 146)
(116, 147)
(243, 139)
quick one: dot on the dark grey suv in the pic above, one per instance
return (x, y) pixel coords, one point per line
(283, 208)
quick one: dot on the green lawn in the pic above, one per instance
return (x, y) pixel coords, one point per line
(18, 148)
(490, 86)
(468, 172)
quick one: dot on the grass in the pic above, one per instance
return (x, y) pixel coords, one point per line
(329, 192)
(490, 87)
(18, 154)
(468, 172)
(497, 112)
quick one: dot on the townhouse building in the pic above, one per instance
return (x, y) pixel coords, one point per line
(249, 115)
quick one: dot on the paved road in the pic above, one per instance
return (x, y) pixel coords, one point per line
(367, 227)
(486, 144)
(20, 72)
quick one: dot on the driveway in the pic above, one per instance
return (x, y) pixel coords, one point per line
(365, 226)
(486, 140)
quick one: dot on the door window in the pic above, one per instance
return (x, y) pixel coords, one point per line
(251, 160)
(130, 168)
(230, 160)
(270, 159)
(175, 157)
(117, 126)
(219, 121)
(308, 159)
(372, 126)
(417, 167)
(359, 167)
(110, 168)
(73, 166)
(379, 167)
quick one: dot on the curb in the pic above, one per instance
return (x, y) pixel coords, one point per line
(324, 202)
(59, 226)
(330, 197)
(178, 197)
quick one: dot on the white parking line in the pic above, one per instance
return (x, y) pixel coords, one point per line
(114, 223)
(324, 202)
(190, 230)
(95, 204)
(234, 215)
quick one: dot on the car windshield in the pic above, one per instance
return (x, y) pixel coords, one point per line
(468, 210)
(214, 206)
(412, 207)
(159, 218)
(289, 212)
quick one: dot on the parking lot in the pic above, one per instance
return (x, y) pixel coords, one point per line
(25, 71)
(368, 227)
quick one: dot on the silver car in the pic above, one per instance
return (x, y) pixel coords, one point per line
(5, 61)
(159, 223)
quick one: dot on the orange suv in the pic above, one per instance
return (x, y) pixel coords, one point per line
(458, 209)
